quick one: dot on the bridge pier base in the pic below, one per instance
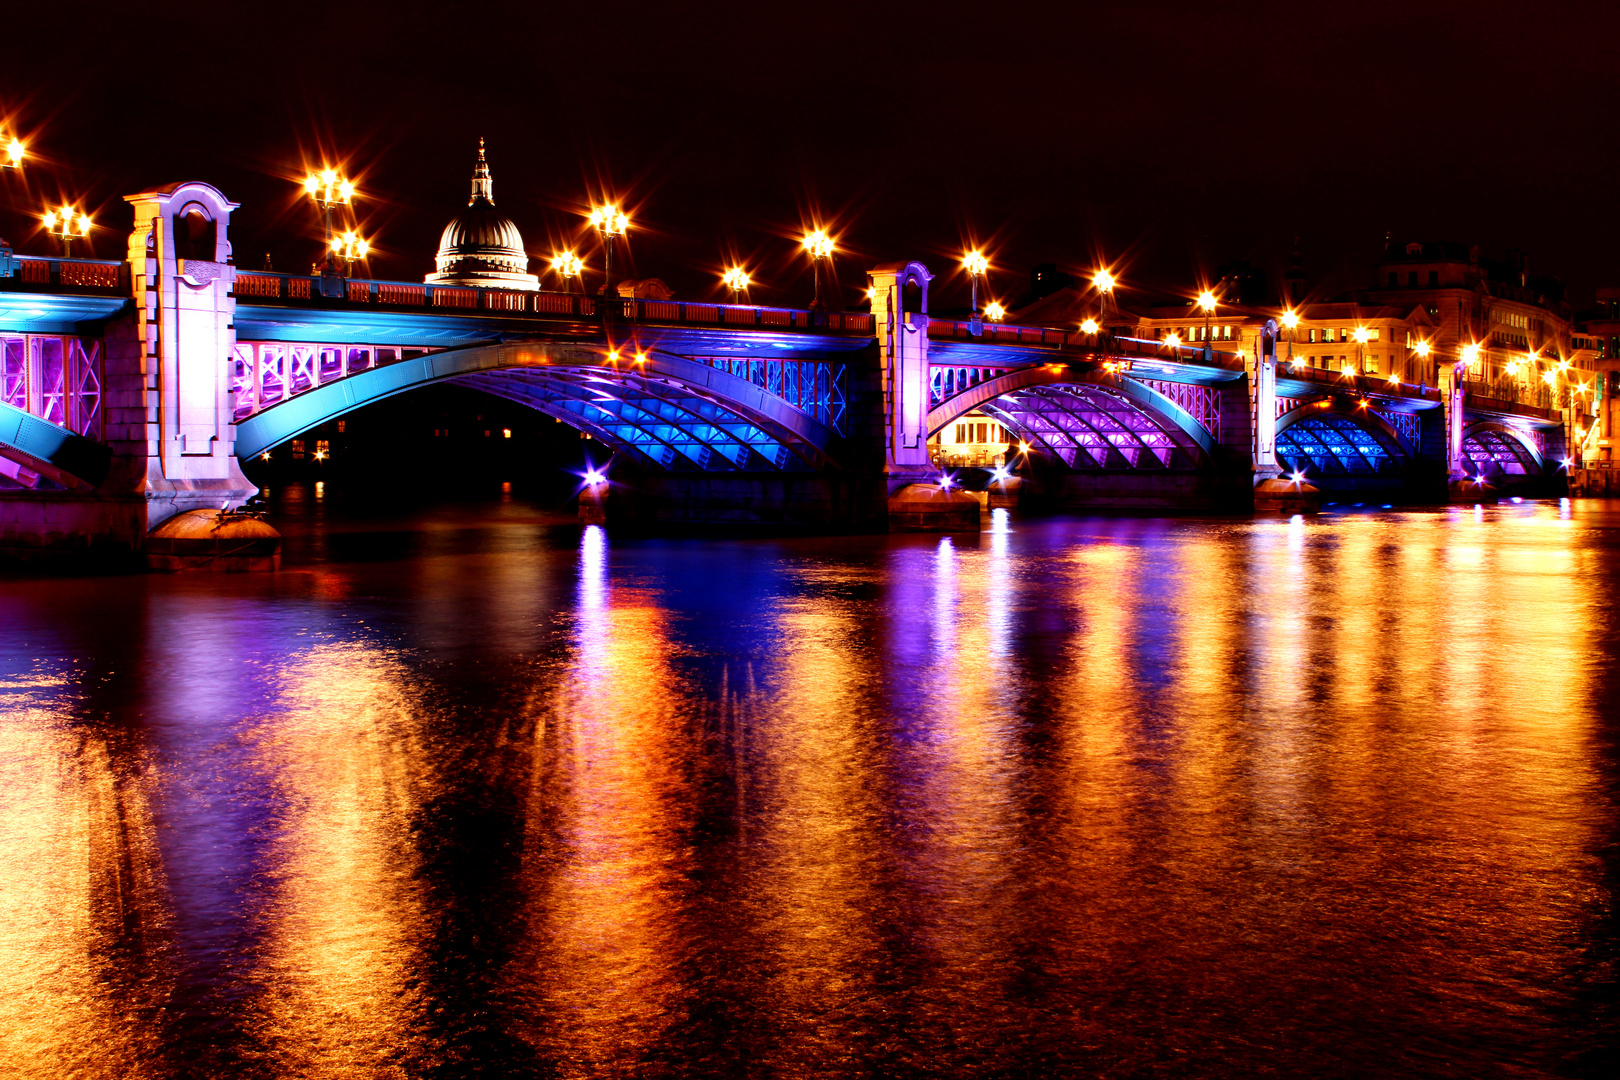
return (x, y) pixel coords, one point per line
(932, 507)
(832, 501)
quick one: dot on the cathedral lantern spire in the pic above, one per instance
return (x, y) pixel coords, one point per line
(481, 246)
(482, 186)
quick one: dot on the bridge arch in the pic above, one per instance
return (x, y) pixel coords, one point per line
(1492, 448)
(1329, 437)
(666, 411)
(1089, 420)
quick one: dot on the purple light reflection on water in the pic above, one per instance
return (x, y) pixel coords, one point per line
(1301, 796)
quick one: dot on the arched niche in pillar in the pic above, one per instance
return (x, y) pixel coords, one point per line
(900, 316)
(196, 236)
(180, 261)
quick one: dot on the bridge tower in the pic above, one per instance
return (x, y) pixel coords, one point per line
(1263, 403)
(900, 319)
(177, 446)
(1453, 407)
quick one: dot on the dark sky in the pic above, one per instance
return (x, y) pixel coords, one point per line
(1167, 137)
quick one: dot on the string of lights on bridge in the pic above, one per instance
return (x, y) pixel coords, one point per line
(330, 190)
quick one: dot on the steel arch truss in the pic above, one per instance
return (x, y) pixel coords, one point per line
(666, 411)
(662, 423)
(1495, 450)
(1334, 444)
(1093, 427)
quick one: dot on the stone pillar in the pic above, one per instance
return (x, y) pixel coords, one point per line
(900, 316)
(1460, 487)
(182, 277)
(1262, 371)
(1451, 400)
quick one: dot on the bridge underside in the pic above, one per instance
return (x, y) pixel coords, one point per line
(659, 423)
(662, 412)
(1330, 446)
(1095, 428)
(1498, 455)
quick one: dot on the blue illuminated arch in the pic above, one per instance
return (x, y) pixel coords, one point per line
(667, 412)
(1328, 438)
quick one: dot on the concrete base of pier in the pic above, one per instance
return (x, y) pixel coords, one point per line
(929, 507)
(1471, 491)
(809, 502)
(214, 540)
(110, 523)
(1278, 496)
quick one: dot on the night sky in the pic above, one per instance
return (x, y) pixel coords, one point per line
(1167, 138)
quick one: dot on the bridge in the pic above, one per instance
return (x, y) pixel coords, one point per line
(132, 389)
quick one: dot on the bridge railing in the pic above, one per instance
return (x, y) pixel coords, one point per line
(448, 299)
(100, 276)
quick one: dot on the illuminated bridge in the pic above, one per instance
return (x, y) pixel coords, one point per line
(131, 390)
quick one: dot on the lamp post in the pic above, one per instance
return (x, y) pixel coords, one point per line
(1290, 321)
(1104, 281)
(1466, 359)
(329, 188)
(568, 266)
(1470, 353)
(1422, 350)
(347, 248)
(67, 224)
(1362, 336)
(977, 266)
(819, 246)
(735, 279)
(1206, 303)
(610, 223)
(15, 150)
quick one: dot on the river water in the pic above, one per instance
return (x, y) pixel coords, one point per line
(471, 791)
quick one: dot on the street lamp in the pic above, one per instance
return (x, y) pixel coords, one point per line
(994, 311)
(67, 224)
(610, 223)
(1206, 303)
(1470, 353)
(977, 266)
(1104, 281)
(820, 246)
(349, 247)
(1290, 321)
(1362, 335)
(329, 188)
(1089, 326)
(735, 279)
(15, 150)
(568, 266)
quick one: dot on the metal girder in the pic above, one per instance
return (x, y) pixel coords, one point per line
(1089, 426)
(1491, 448)
(693, 410)
(52, 451)
(625, 410)
(1333, 442)
(987, 396)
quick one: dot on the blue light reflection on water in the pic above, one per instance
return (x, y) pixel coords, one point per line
(1050, 798)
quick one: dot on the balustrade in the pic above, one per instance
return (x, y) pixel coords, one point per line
(258, 285)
